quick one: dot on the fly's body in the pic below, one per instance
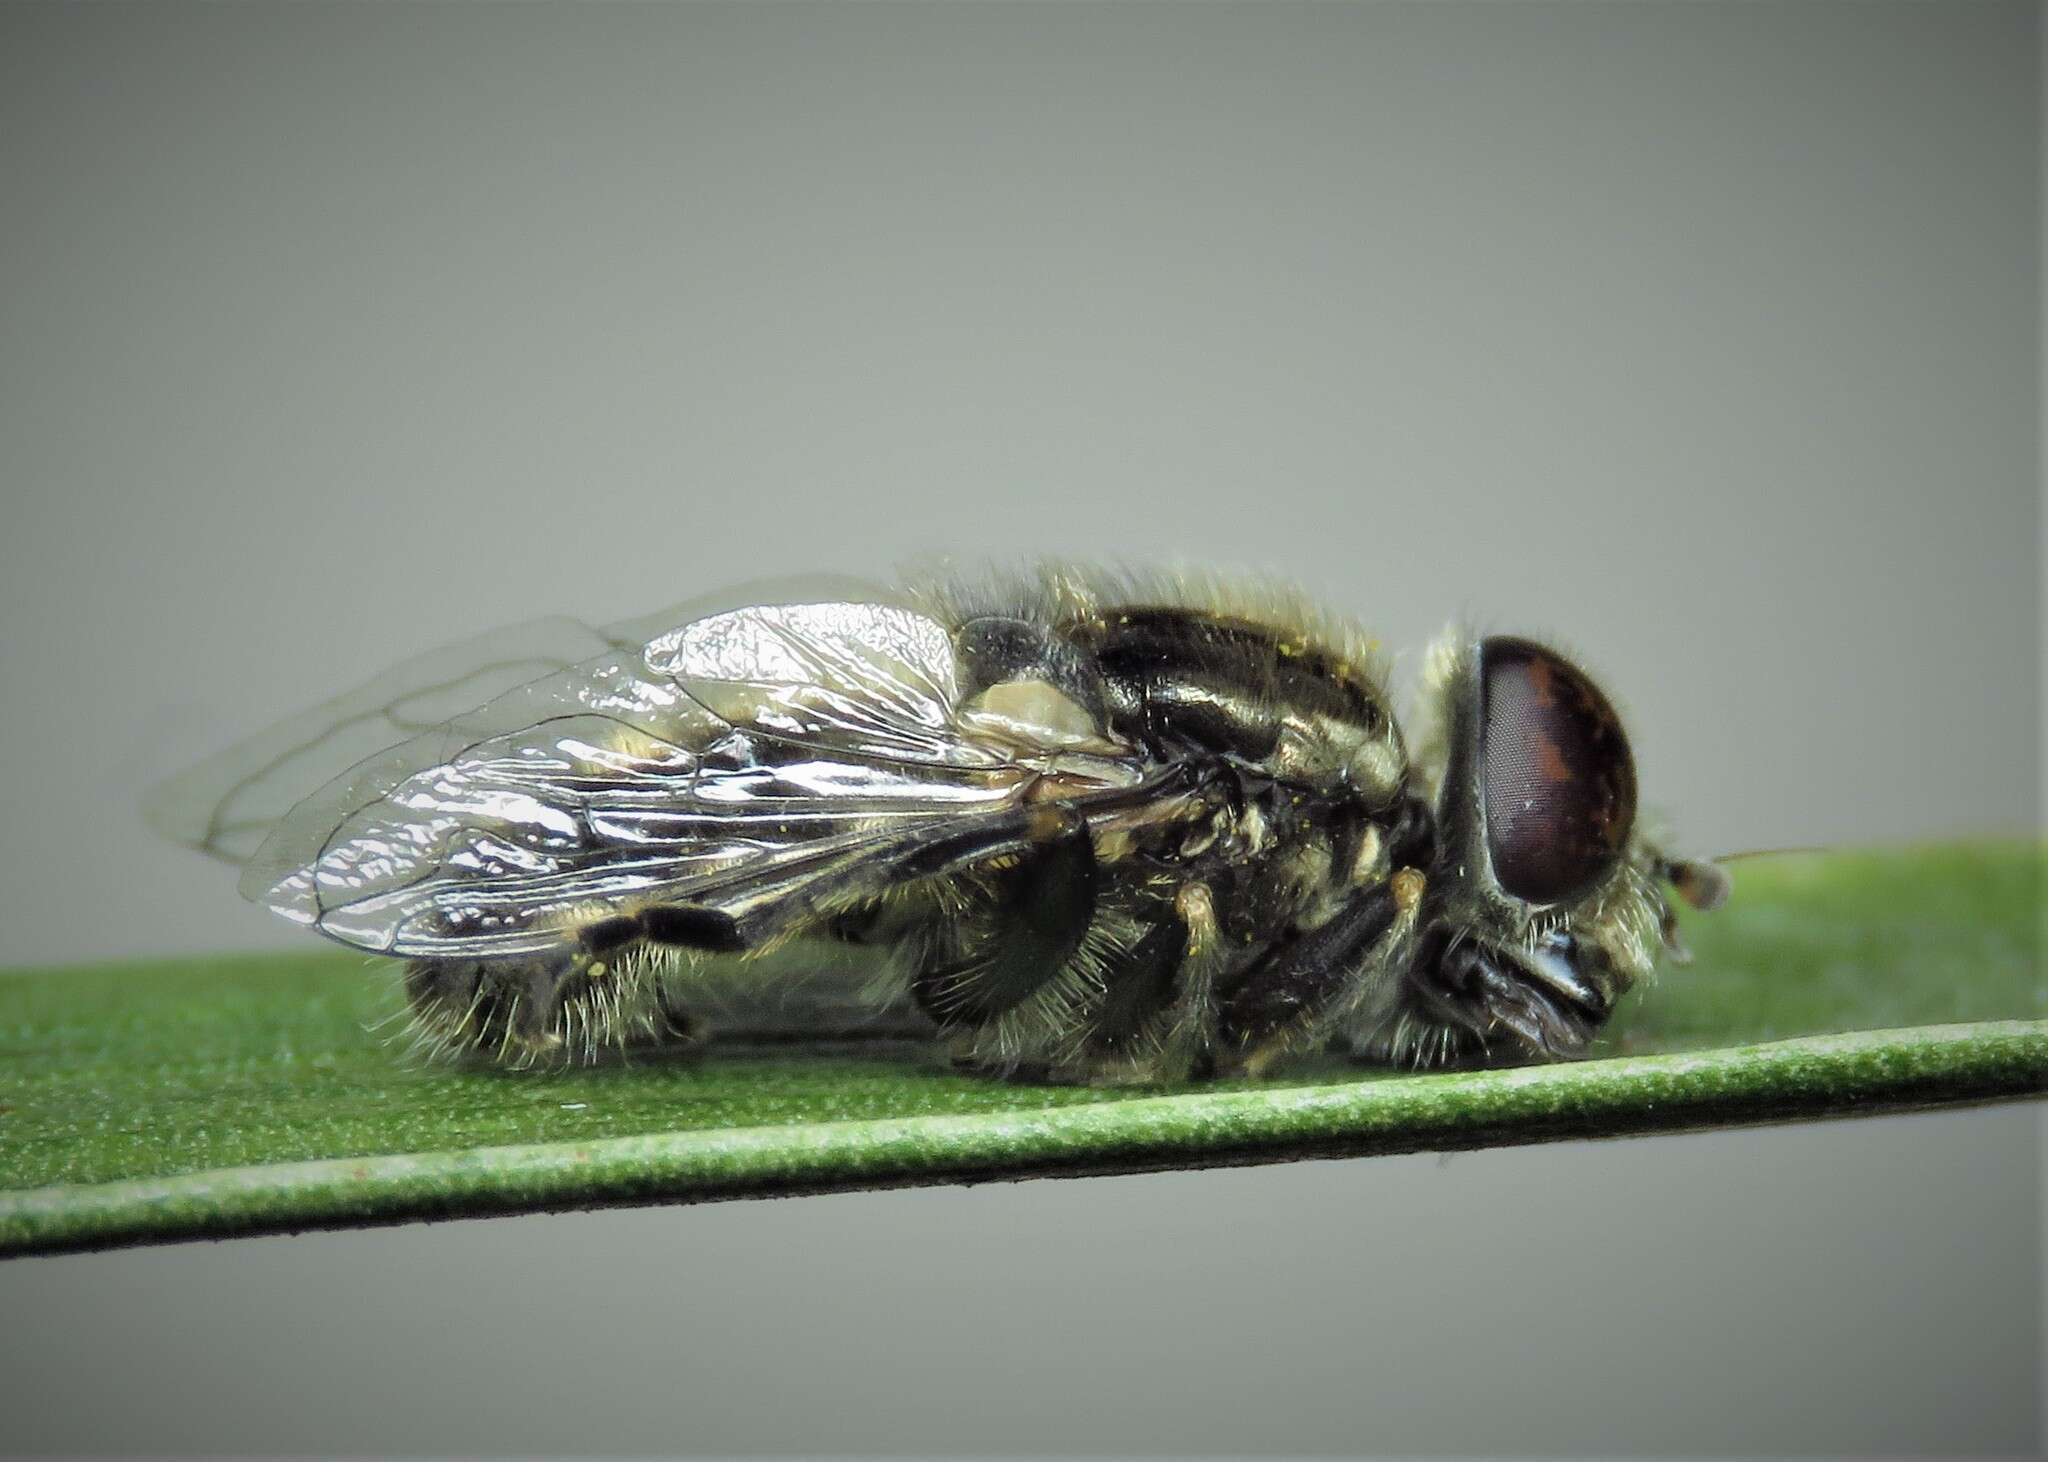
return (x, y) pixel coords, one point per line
(1079, 828)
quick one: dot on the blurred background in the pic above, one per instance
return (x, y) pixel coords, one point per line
(1702, 337)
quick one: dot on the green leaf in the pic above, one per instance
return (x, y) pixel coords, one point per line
(191, 1098)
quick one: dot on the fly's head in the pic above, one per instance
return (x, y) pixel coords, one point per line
(1546, 904)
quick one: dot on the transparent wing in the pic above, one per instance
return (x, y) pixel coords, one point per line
(229, 804)
(734, 759)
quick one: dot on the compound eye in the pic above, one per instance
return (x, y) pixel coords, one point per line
(1560, 783)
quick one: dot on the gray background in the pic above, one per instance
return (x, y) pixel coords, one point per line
(1703, 337)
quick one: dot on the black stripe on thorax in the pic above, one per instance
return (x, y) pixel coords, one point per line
(1221, 683)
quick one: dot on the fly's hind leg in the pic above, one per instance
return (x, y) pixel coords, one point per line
(1037, 908)
(804, 900)
(606, 993)
(1025, 880)
(570, 1007)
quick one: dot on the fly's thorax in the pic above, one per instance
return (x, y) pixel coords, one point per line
(1268, 697)
(1341, 755)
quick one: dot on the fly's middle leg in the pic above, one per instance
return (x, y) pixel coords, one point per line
(1156, 1019)
(1300, 991)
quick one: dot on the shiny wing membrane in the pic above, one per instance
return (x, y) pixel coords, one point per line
(229, 804)
(729, 761)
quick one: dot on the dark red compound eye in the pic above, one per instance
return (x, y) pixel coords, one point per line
(1560, 783)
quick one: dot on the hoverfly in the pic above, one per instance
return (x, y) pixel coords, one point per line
(1079, 826)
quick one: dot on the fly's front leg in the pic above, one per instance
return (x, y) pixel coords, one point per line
(1465, 1000)
(1288, 1001)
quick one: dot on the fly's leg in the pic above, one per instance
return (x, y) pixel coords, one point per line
(1139, 986)
(1188, 1046)
(1156, 1020)
(1463, 1001)
(1294, 995)
(1026, 881)
(991, 917)
(1042, 903)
